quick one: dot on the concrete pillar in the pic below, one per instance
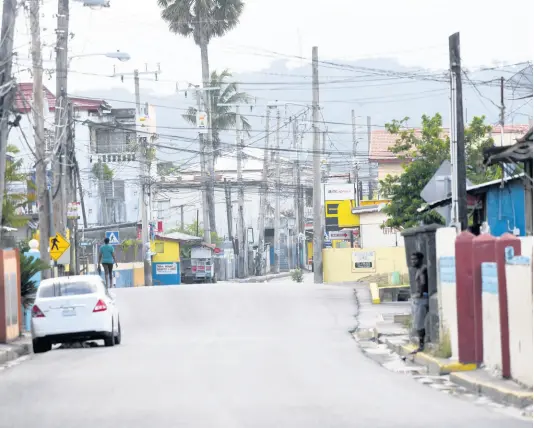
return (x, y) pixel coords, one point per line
(506, 240)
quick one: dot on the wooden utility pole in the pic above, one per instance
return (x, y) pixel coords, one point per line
(61, 113)
(317, 203)
(458, 118)
(39, 135)
(205, 189)
(182, 225)
(501, 118)
(370, 182)
(264, 186)
(70, 176)
(9, 15)
(277, 197)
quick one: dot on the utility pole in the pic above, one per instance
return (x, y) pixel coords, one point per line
(61, 113)
(370, 182)
(228, 198)
(182, 223)
(277, 198)
(298, 202)
(501, 121)
(205, 187)
(41, 179)
(9, 15)
(242, 239)
(317, 222)
(458, 120)
(264, 186)
(355, 163)
(70, 178)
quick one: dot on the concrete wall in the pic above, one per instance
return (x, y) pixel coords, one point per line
(446, 284)
(338, 263)
(373, 236)
(491, 318)
(519, 297)
(10, 301)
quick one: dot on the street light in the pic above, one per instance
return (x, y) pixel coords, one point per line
(121, 56)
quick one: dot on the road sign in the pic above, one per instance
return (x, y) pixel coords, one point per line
(73, 210)
(202, 122)
(113, 237)
(58, 245)
(339, 235)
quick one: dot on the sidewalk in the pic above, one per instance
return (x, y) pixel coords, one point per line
(16, 349)
(388, 343)
(263, 278)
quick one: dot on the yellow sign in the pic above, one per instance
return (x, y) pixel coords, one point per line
(58, 245)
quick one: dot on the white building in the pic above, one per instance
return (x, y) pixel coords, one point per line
(106, 146)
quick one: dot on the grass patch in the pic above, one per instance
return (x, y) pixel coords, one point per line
(443, 349)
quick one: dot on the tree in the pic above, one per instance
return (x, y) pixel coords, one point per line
(194, 229)
(222, 117)
(15, 200)
(203, 20)
(422, 153)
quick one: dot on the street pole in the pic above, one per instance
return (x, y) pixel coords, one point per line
(456, 70)
(61, 113)
(277, 198)
(205, 189)
(264, 187)
(228, 200)
(182, 217)
(501, 121)
(355, 164)
(242, 269)
(317, 222)
(137, 92)
(9, 15)
(39, 135)
(70, 177)
(370, 182)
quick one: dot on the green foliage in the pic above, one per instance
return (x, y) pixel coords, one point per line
(297, 275)
(187, 17)
(13, 201)
(102, 171)
(23, 246)
(29, 266)
(129, 243)
(222, 117)
(423, 153)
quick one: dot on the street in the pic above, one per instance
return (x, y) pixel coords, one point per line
(229, 355)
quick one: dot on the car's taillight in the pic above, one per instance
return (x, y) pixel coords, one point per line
(36, 312)
(100, 307)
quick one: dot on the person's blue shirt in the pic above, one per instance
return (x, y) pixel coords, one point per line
(107, 253)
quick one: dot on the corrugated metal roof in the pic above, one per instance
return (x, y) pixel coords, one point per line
(179, 236)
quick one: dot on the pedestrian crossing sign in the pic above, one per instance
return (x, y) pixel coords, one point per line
(113, 237)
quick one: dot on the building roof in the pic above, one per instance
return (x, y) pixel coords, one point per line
(24, 97)
(368, 209)
(471, 190)
(382, 140)
(521, 151)
(179, 236)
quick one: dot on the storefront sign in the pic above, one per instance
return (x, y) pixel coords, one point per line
(363, 260)
(339, 192)
(166, 269)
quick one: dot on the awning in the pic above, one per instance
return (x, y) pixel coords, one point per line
(519, 152)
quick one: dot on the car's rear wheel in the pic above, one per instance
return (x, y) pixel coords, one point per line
(41, 345)
(118, 337)
(109, 340)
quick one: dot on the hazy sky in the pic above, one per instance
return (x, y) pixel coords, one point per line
(413, 31)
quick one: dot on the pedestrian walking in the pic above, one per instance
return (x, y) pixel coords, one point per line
(107, 259)
(420, 297)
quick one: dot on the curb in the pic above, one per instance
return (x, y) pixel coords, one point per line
(436, 366)
(500, 394)
(12, 351)
(264, 278)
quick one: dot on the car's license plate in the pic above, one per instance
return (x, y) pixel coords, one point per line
(69, 312)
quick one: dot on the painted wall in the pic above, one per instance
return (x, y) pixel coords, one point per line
(446, 285)
(338, 263)
(506, 209)
(519, 297)
(171, 251)
(385, 169)
(491, 319)
(372, 234)
(10, 301)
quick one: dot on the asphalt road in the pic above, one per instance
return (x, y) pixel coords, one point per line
(229, 355)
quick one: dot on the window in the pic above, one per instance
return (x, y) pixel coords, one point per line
(332, 208)
(159, 247)
(67, 289)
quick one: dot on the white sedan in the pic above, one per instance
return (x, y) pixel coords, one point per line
(72, 309)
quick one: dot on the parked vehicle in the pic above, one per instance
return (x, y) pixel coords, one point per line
(73, 309)
(202, 264)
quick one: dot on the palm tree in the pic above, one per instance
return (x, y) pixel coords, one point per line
(203, 20)
(222, 117)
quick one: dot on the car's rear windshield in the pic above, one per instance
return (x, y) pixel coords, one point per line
(66, 289)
